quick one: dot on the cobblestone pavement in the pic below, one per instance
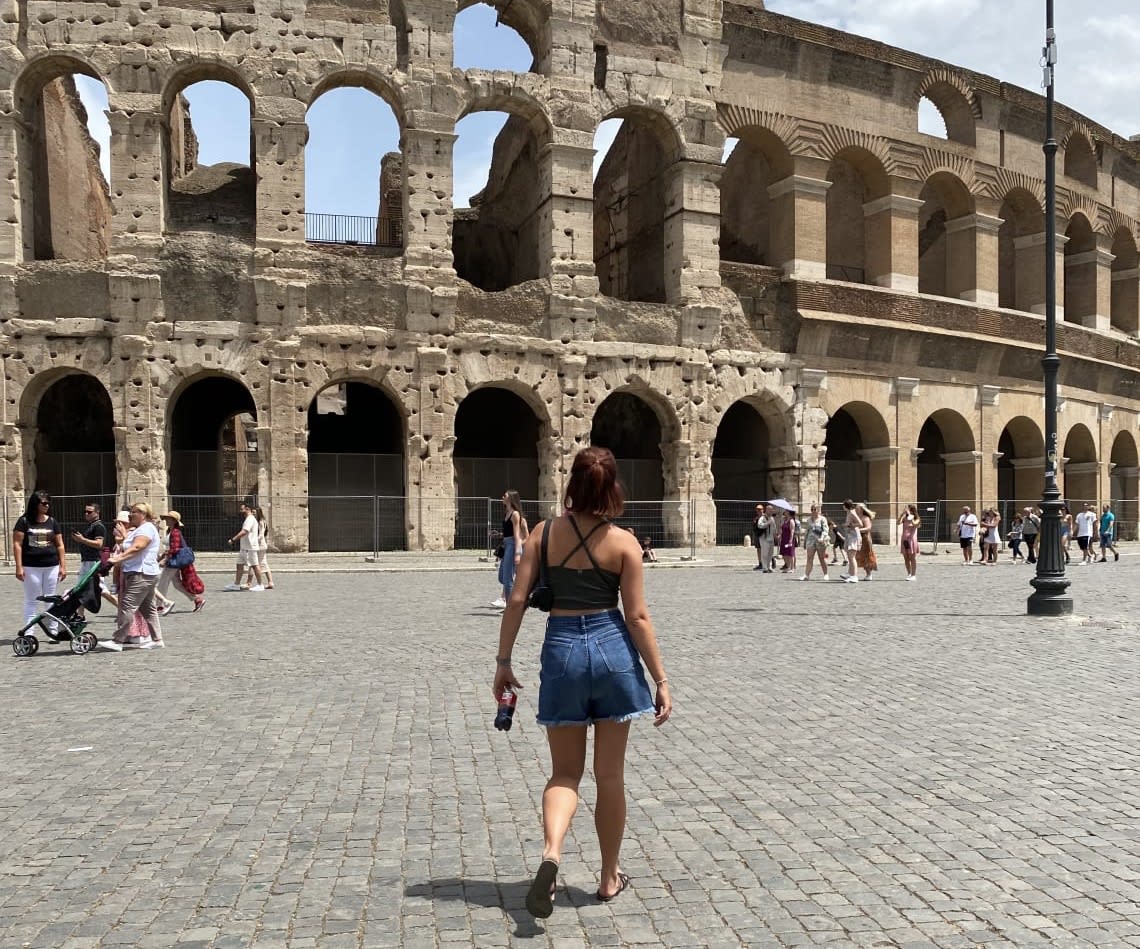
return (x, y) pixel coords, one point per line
(887, 763)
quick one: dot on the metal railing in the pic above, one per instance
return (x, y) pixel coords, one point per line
(353, 229)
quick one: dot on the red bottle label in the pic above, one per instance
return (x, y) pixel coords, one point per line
(508, 698)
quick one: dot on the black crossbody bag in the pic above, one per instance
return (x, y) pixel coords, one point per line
(541, 594)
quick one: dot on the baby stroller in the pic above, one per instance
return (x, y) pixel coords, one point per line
(62, 621)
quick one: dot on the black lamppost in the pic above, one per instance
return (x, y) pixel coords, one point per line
(1049, 596)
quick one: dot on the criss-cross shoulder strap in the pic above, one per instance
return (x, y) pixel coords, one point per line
(582, 544)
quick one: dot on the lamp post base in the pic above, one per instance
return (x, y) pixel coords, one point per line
(1049, 597)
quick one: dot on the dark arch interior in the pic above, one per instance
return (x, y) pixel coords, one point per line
(846, 471)
(210, 454)
(202, 409)
(356, 469)
(495, 423)
(740, 470)
(627, 426)
(931, 467)
(75, 440)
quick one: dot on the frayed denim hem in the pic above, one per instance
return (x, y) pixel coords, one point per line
(619, 719)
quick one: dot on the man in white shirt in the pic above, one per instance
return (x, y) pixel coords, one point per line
(247, 553)
(1086, 525)
(966, 528)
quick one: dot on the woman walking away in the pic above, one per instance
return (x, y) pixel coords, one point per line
(908, 539)
(591, 672)
(865, 557)
(185, 578)
(37, 546)
(139, 558)
(816, 540)
(514, 539)
(853, 539)
(263, 547)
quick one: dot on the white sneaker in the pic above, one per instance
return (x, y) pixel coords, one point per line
(257, 588)
(805, 577)
(111, 644)
(168, 609)
(499, 603)
(231, 588)
(850, 579)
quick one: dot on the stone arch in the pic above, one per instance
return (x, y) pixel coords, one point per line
(1125, 301)
(1021, 463)
(631, 192)
(750, 220)
(206, 196)
(955, 102)
(502, 239)
(1124, 482)
(946, 242)
(530, 19)
(1080, 159)
(498, 436)
(64, 215)
(67, 420)
(356, 438)
(947, 464)
(857, 177)
(854, 468)
(745, 437)
(1080, 301)
(200, 432)
(374, 218)
(1021, 239)
(1081, 468)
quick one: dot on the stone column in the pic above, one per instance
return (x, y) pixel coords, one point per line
(1125, 492)
(908, 426)
(881, 463)
(428, 263)
(282, 437)
(279, 160)
(138, 176)
(431, 467)
(13, 172)
(799, 226)
(1029, 264)
(575, 419)
(1088, 277)
(1125, 315)
(140, 431)
(891, 225)
(972, 257)
(1028, 480)
(692, 230)
(568, 253)
(988, 401)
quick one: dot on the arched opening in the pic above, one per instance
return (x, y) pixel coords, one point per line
(1081, 468)
(501, 202)
(1125, 481)
(1021, 465)
(627, 425)
(1080, 272)
(356, 469)
(947, 469)
(496, 449)
(1125, 315)
(944, 112)
(64, 168)
(858, 461)
(1021, 241)
(946, 250)
(211, 173)
(490, 38)
(214, 457)
(739, 469)
(631, 192)
(73, 446)
(854, 247)
(354, 170)
(750, 221)
(1080, 161)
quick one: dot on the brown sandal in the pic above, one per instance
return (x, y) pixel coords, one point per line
(623, 882)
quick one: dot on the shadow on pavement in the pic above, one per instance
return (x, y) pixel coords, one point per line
(510, 897)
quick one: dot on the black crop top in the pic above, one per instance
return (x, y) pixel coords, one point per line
(592, 588)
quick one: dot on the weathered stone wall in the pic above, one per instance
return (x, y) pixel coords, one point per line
(206, 272)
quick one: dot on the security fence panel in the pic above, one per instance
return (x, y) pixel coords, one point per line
(210, 519)
(1127, 518)
(734, 522)
(363, 523)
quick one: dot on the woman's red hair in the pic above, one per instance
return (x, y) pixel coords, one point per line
(594, 487)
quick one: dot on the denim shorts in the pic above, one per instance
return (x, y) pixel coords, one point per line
(591, 672)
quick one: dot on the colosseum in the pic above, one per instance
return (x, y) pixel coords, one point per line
(844, 306)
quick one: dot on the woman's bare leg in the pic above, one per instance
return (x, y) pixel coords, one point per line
(560, 799)
(609, 814)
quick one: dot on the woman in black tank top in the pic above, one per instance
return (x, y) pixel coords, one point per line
(514, 537)
(591, 663)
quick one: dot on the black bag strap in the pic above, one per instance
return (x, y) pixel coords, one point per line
(582, 543)
(542, 575)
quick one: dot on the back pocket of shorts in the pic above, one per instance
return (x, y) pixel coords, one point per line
(555, 658)
(618, 654)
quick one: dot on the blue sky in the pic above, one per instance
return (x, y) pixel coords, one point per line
(351, 129)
